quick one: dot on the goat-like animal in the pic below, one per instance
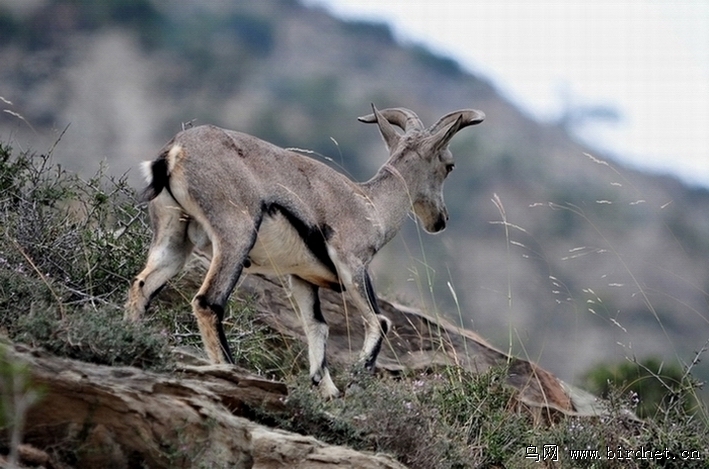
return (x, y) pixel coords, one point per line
(251, 206)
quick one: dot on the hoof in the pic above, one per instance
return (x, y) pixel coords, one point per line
(328, 391)
(326, 387)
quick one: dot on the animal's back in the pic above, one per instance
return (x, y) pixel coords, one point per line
(242, 170)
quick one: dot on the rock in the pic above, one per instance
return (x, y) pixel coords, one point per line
(416, 342)
(121, 417)
(276, 449)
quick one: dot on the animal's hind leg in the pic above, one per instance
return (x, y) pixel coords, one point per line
(316, 331)
(228, 255)
(168, 253)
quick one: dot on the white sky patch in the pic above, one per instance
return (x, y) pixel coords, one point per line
(649, 59)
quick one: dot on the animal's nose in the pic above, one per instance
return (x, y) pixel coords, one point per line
(440, 224)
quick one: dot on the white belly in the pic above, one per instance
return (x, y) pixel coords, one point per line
(280, 250)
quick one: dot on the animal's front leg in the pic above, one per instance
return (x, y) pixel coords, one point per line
(316, 331)
(376, 325)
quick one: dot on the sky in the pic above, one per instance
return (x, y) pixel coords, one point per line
(646, 59)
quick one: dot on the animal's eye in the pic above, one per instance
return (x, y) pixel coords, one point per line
(449, 167)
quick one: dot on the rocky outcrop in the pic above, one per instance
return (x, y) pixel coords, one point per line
(196, 417)
(416, 342)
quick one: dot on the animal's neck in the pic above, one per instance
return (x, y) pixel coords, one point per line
(391, 197)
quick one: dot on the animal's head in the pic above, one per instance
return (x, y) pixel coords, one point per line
(421, 157)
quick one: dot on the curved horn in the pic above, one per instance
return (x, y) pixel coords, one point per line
(469, 117)
(400, 116)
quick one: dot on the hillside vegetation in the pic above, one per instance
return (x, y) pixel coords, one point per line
(68, 247)
(554, 252)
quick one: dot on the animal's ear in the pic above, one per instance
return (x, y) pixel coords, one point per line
(442, 137)
(389, 133)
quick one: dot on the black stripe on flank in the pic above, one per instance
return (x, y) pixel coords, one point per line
(314, 237)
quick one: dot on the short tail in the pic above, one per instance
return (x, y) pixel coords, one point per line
(157, 173)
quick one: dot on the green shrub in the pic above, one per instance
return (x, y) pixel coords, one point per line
(656, 384)
(96, 335)
(82, 234)
(68, 249)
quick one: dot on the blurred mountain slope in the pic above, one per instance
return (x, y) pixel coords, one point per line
(556, 252)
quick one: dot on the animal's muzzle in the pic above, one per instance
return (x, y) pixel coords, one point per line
(440, 225)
